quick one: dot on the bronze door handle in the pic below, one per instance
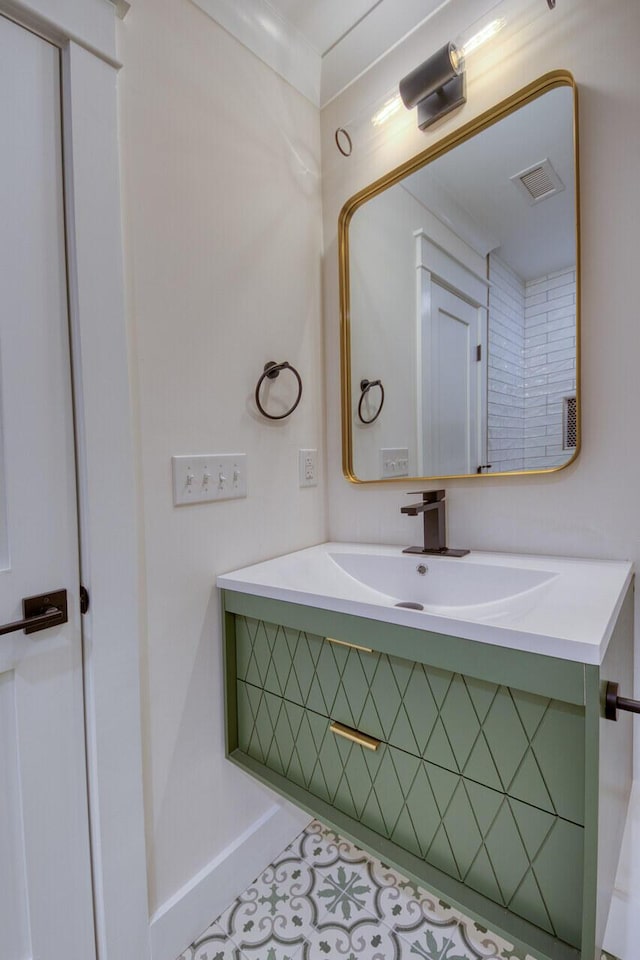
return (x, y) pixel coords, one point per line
(40, 612)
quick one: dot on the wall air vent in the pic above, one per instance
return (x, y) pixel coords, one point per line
(538, 182)
(569, 423)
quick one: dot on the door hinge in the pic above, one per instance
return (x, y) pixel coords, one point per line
(84, 599)
(479, 352)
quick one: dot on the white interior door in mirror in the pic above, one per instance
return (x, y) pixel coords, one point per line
(450, 372)
(45, 877)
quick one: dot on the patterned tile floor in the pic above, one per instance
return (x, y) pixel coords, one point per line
(324, 899)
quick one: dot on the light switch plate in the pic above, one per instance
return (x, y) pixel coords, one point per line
(203, 478)
(394, 462)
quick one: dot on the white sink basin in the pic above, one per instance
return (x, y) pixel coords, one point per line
(557, 606)
(438, 582)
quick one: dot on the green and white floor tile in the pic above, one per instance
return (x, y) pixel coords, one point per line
(325, 899)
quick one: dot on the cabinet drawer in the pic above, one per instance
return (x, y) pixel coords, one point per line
(519, 743)
(521, 857)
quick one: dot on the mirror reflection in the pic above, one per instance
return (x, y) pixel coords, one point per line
(461, 302)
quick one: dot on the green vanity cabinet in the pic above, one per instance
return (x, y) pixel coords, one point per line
(475, 769)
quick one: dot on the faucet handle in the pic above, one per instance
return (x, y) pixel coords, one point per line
(428, 496)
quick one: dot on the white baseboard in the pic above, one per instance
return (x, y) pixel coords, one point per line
(178, 922)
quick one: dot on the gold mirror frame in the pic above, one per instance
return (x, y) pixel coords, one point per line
(550, 81)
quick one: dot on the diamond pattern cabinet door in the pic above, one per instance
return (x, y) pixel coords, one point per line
(521, 857)
(258, 715)
(525, 859)
(248, 698)
(558, 872)
(252, 651)
(537, 747)
(387, 697)
(278, 659)
(327, 679)
(559, 748)
(522, 744)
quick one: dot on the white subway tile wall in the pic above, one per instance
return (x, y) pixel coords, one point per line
(531, 367)
(549, 365)
(505, 387)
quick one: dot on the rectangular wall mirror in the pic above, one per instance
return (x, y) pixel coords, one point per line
(459, 285)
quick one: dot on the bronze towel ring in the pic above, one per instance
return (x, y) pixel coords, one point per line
(272, 372)
(365, 386)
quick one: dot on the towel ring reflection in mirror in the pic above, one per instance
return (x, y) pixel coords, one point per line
(272, 372)
(365, 386)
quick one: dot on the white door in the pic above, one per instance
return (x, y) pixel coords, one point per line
(45, 876)
(450, 384)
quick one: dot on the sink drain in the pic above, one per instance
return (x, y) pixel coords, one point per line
(410, 605)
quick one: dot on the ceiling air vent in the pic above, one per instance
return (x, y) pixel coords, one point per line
(538, 182)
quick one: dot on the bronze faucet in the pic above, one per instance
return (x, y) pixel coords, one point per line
(432, 509)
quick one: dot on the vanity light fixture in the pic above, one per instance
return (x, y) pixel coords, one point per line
(437, 86)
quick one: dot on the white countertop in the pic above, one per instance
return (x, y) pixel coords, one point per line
(567, 608)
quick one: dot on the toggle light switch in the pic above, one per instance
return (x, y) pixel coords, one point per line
(394, 462)
(205, 477)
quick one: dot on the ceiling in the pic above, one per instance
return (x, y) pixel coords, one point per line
(324, 23)
(319, 46)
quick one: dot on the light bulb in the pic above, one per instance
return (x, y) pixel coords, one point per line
(456, 56)
(482, 36)
(386, 110)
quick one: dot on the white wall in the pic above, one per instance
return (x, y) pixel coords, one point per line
(591, 508)
(223, 257)
(382, 271)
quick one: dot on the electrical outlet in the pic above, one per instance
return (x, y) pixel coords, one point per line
(308, 467)
(394, 462)
(207, 477)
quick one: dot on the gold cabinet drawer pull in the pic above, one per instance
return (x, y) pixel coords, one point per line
(363, 739)
(353, 646)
